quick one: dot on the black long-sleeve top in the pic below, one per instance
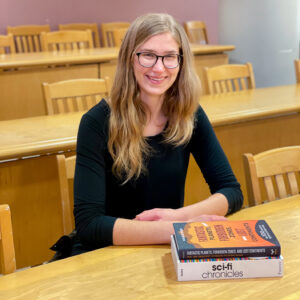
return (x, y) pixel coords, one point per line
(99, 197)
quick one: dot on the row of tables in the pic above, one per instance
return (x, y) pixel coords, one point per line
(29, 139)
(248, 121)
(22, 74)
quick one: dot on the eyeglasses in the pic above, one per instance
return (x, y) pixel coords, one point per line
(148, 60)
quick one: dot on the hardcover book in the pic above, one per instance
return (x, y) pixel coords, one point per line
(248, 238)
(225, 268)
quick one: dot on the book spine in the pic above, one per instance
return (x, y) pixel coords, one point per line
(230, 252)
(231, 268)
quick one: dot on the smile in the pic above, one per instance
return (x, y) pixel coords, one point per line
(155, 80)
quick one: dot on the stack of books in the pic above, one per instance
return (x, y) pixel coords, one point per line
(225, 250)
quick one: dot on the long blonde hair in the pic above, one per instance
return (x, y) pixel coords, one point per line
(126, 144)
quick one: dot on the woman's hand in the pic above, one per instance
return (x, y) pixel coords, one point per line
(160, 214)
(169, 214)
(206, 218)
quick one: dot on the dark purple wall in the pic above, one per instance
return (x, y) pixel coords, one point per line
(54, 12)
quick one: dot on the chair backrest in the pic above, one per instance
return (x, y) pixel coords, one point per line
(7, 44)
(83, 26)
(7, 249)
(66, 170)
(66, 40)
(273, 174)
(297, 70)
(196, 32)
(229, 78)
(118, 36)
(74, 95)
(27, 37)
(107, 32)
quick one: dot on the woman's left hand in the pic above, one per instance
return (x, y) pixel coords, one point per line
(160, 214)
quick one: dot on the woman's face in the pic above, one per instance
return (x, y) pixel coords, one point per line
(156, 80)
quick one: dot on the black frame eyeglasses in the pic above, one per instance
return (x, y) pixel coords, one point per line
(153, 58)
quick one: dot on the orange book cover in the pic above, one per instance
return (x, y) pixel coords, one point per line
(225, 239)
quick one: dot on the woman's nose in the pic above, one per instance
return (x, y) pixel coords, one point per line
(159, 65)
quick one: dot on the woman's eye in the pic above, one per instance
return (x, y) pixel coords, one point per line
(170, 57)
(148, 55)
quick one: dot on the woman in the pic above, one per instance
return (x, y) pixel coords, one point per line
(133, 149)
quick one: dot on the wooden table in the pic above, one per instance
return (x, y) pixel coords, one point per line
(22, 74)
(147, 272)
(42, 135)
(29, 180)
(250, 121)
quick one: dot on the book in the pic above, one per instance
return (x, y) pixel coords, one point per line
(225, 268)
(247, 238)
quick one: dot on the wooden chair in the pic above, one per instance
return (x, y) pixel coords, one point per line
(118, 36)
(196, 32)
(7, 44)
(83, 26)
(297, 70)
(27, 37)
(107, 32)
(66, 170)
(229, 78)
(66, 40)
(273, 174)
(74, 95)
(7, 249)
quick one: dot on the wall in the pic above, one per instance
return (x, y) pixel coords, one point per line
(54, 12)
(270, 40)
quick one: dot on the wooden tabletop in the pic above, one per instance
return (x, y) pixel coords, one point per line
(41, 135)
(251, 104)
(84, 56)
(147, 272)
(53, 58)
(206, 49)
(38, 135)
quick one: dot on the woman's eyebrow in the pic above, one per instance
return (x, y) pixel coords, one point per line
(165, 52)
